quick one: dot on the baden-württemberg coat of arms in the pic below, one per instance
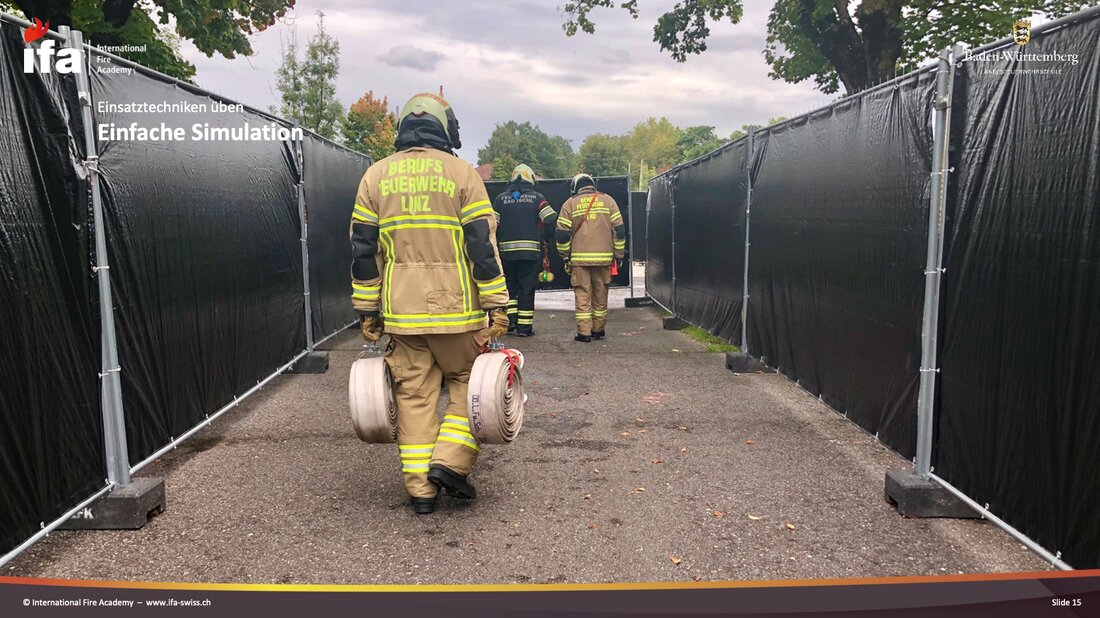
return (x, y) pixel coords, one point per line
(1021, 31)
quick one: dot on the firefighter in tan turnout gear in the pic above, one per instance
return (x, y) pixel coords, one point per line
(426, 271)
(590, 238)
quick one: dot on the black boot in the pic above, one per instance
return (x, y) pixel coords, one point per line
(583, 338)
(525, 332)
(422, 506)
(598, 334)
(451, 482)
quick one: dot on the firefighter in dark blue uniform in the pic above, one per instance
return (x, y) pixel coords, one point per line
(525, 219)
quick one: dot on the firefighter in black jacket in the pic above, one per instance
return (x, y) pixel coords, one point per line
(525, 220)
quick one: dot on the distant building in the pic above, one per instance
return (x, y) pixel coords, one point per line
(485, 170)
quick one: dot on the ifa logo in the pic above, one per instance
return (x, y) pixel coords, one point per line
(42, 54)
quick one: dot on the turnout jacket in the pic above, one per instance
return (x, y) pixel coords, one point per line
(423, 246)
(590, 230)
(520, 210)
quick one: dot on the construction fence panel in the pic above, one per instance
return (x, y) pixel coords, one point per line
(658, 264)
(637, 216)
(205, 250)
(1019, 382)
(836, 266)
(556, 191)
(710, 240)
(331, 181)
(51, 427)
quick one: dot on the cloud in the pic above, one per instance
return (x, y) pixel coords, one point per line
(501, 61)
(412, 57)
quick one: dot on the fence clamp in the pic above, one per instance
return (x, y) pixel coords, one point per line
(96, 269)
(935, 272)
(92, 163)
(929, 370)
(110, 371)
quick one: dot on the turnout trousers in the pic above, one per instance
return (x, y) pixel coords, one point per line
(590, 293)
(522, 277)
(419, 364)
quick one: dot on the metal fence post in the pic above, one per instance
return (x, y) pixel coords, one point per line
(672, 198)
(630, 234)
(114, 423)
(941, 126)
(750, 147)
(304, 224)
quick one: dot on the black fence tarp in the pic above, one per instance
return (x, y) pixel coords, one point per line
(710, 240)
(51, 429)
(1019, 413)
(836, 283)
(637, 215)
(658, 264)
(205, 253)
(331, 175)
(556, 191)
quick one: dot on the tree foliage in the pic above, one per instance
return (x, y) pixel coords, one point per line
(514, 142)
(370, 126)
(697, 141)
(307, 87)
(214, 26)
(604, 155)
(682, 31)
(834, 42)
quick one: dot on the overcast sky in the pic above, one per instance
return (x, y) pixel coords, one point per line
(500, 61)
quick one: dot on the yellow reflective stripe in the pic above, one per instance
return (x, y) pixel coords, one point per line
(416, 469)
(457, 429)
(424, 320)
(366, 214)
(492, 287)
(415, 447)
(463, 272)
(520, 243)
(546, 212)
(565, 221)
(525, 321)
(599, 314)
(359, 217)
(459, 440)
(366, 292)
(591, 256)
(387, 283)
(432, 216)
(582, 316)
(526, 313)
(476, 210)
(457, 419)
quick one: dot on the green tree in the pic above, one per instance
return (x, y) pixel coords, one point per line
(681, 32)
(307, 87)
(370, 126)
(214, 26)
(854, 44)
(604, 155)
(549, 156)
(654, 142)
(697, 141)
(744, 130)
(502, 167)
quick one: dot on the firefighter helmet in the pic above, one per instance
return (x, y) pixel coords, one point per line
(581, 181)
(524, 173)
(433, 106)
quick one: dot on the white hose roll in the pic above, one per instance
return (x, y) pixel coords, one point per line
(370, 394)
(495, 399)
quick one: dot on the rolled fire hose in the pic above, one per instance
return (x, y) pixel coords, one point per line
(495, 398)
(370, 394)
